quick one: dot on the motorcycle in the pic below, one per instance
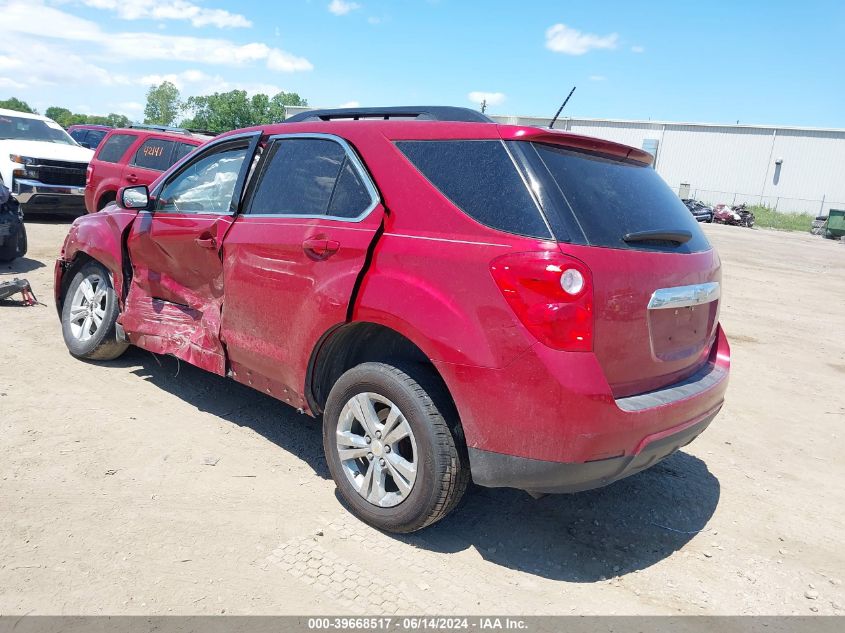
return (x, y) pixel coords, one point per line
(738, 215)
(746, 217)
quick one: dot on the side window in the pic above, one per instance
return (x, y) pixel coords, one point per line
(350, 197)
(115, 147)
(182, 150)
(154, 154)
(95, 137)
(205, 185)
(481, 180)
(79, 135)
(309, 176)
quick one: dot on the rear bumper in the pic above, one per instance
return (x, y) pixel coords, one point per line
(495, 470)
(38, 197)
(557, 409)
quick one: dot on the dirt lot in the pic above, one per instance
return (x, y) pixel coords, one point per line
(145, 486)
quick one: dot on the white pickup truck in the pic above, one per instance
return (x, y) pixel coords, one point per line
(41, 164)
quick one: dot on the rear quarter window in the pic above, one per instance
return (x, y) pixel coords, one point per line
(182, 150)
(114, 147)
(479, 178)
(611, 198)
(154, 153)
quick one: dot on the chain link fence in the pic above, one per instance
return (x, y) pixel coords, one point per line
(777, 203)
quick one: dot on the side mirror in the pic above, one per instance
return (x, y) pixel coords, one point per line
(134, 197)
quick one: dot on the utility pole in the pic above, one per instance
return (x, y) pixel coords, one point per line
(483, 106)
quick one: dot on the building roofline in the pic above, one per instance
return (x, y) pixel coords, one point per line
(561, 120)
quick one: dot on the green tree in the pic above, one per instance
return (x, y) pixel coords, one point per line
(117, 120)
(282, 99)
(223, 111)
(13, 103)
(62, 116)
(163, 104)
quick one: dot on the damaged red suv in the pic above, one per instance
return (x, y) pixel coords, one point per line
(459, 300)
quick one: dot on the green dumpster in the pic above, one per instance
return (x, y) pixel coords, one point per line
(836, 223)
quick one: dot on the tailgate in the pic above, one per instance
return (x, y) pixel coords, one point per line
(655, 276)
(655, 314)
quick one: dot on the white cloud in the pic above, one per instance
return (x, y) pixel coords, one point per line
(597, 77)
(180, 80)
(342, 7)
(48, 64)
(563, 39)
(286, 63)
(196, 82)
(5, 82)
(492, 98)
(350, 104)
(129, 108)
(638, 49)
(41, 21)
(173, 10)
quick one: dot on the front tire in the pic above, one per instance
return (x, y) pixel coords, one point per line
(397, 461)
(89, 315)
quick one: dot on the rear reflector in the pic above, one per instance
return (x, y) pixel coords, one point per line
(551, 294)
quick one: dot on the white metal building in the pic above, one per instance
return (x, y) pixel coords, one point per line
(788, 168)
(792, 169)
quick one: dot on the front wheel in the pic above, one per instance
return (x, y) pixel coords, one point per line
(398, 463)
(89, 315)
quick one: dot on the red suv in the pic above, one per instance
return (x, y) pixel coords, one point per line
(526, 307)
(134, 156)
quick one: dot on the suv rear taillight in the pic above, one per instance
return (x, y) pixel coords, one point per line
(88, 173)
(551, 294)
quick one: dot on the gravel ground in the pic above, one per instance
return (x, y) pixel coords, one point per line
(147, 486)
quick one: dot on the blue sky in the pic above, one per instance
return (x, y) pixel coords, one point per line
(757, 62)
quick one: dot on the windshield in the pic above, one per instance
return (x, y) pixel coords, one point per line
(25, 129)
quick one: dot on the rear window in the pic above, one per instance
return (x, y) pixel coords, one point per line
(115, 147)
(480, 178)
(611, 198)
(154, 153)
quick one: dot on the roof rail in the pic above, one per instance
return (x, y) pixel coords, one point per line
(420, 113)
(168, 128)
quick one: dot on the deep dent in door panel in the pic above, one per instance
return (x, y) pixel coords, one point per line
(167, 317)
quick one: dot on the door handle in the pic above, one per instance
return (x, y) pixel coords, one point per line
(132, 178)
(206, 242)
(320, 248)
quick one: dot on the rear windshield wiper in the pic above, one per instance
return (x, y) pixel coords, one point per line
(662, 235)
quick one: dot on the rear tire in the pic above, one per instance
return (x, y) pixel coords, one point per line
(422, 476)
(89, 315)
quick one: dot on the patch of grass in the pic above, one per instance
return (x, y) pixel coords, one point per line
(767, 217)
